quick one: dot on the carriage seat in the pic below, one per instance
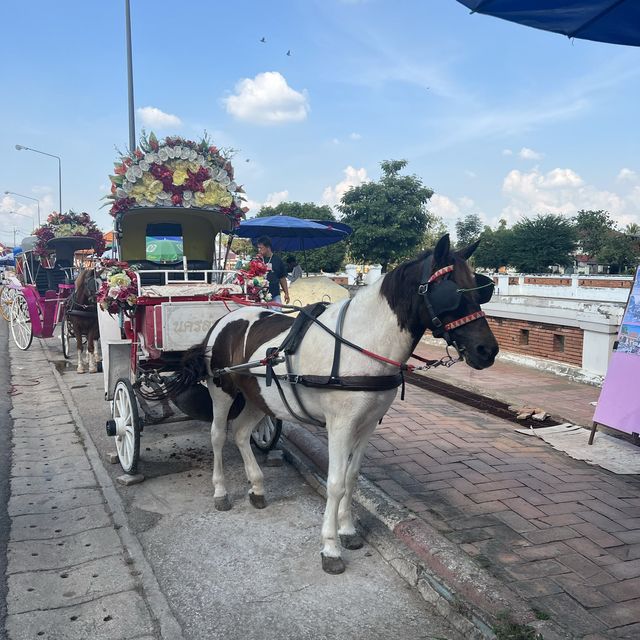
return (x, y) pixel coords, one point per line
(157, 279)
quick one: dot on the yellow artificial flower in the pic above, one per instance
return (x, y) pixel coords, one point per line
(147, 189)
(180, 177)
(214, 195)
(119, 280)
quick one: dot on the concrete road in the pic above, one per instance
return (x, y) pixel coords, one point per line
(245, 573)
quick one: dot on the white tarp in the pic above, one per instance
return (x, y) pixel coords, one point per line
(614, 454)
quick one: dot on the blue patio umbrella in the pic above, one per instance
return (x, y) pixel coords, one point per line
(614, 21)
(293, 234)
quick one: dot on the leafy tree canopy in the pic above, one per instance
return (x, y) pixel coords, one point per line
(495, 247)
(593, 228)
(543, 241)
(468, 229)
(389, 217)
(329, 259)
(436, 228)
(619, 251)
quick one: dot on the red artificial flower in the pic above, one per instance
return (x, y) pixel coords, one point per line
(139, 154)
(120, 169)
(176, 198)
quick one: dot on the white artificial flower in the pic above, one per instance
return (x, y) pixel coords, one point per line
(200, 159)
(127, 186)
(121, 193)
(137, 171)
(171, 152)
(177, 151)
(233, 186)
(163, 155)
(163, 195)
(185, 153)
(130, 174)
(144, 165)
(187, 195)
(193, 154)
(186, 203)
(151, 157)
(226, 180)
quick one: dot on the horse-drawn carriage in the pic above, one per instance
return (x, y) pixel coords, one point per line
(45, 275)
(165, 291)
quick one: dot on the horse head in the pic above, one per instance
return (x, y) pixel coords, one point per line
(437, 291)
(87, 286)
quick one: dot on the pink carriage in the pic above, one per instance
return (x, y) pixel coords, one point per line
(44, 281)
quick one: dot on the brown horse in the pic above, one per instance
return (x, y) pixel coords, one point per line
(81, 312)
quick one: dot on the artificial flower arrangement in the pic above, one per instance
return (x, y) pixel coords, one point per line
(61, 225)
(175, 172)
(119, 289)
(254, 278)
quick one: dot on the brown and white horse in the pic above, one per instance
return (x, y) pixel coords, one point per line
(387, 318)
(81, 312)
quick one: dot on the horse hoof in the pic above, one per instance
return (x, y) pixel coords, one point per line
(257, 501)
(351, 541)
(80, 370)
(331, 565)
(93, 371)
(222, 503)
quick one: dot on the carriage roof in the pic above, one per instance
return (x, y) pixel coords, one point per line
(198, 228)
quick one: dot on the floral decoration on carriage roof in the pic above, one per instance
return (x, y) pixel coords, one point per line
(175, 172)
(64, 225)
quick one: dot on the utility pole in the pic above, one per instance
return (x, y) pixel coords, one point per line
(132, 115)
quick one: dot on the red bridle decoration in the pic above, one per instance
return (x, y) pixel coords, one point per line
(439, 273)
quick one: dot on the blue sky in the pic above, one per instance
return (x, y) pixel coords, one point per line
(498, 119)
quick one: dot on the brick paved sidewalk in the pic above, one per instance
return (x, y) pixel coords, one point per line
(563, 534)
(516, 384)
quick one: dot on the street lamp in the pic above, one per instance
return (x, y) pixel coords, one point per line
(20, 147)
(13, 193)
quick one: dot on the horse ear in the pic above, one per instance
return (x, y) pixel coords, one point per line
(467, 252)
(441, 252)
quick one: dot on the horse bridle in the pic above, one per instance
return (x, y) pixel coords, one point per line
(448, 299)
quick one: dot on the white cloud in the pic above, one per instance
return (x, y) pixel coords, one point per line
(352, 178)
(466, 202)
(627, 175)
(153, 117)
(529, 154)
(443, 207)
(564, 192)
(275, 198)
(507, 152)
(470, 174)
(267, 99)
(335, 141)
(355, 136)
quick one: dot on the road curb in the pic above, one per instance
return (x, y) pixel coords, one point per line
(170, 628)
(470, 598)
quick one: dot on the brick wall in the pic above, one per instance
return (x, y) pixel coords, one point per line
(609, 284)
(548, 282)
(544, 340)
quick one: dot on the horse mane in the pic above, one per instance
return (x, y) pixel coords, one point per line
(81, 285)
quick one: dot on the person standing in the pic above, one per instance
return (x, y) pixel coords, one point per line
(294, 268)
(276, 271)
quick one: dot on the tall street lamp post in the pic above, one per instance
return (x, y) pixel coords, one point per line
(13, 193)
(20, 147)
(132, 118)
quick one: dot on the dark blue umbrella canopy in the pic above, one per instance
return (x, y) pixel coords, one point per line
(614, 21)
(293, 234)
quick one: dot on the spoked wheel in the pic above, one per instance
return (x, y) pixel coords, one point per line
(21, 328)
(66, 333)
(267, 432)
(126, 426)
(6, 302)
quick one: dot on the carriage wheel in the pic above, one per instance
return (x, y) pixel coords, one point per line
(6, 302)
(127, 425)
(21, 328)
(66, 333)
(267, 432)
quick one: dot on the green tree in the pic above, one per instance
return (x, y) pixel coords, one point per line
(593, 228)
(436, 228)
(543, 241)
(496, 246)
(619, 252)
(331, 258)
(389, 217)
(468, 229)
(632, 229)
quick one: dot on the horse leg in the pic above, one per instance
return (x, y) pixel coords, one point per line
(90, 350)
(222, 403)
(243, 425)
(78, 334)
(349, 538)
(340, 445)
(96, 349)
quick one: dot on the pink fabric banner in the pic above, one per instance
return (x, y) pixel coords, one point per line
(619, 403)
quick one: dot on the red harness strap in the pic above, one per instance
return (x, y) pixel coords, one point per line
(440, 272)
(458, 323)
